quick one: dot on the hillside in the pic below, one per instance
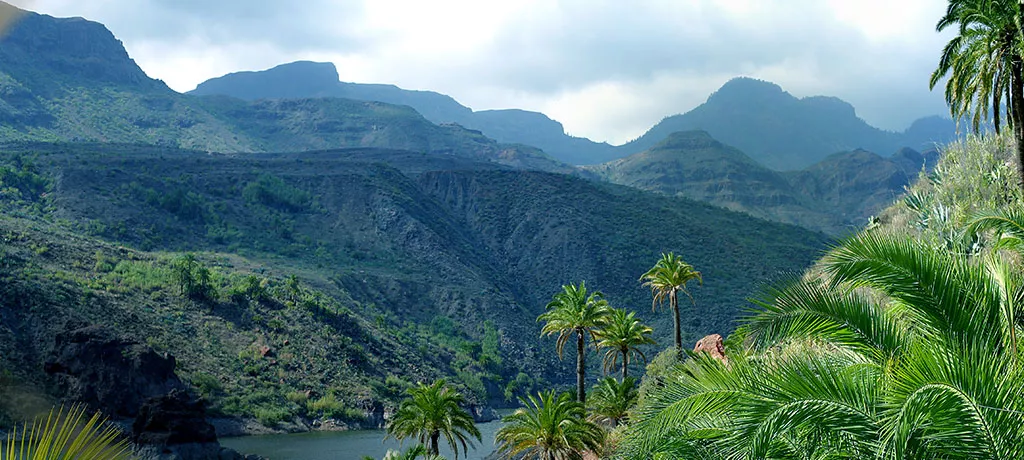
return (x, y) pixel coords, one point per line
(835, 196)
(418, 255)
(783, 132)
(72, 80)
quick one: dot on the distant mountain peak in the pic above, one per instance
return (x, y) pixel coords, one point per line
(293, 80)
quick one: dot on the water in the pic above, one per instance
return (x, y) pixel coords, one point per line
(346, 445)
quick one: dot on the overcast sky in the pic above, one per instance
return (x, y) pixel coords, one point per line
(607, 69)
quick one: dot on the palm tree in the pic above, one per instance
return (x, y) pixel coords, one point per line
(622, 334)
(432, 411)
(903, 350)
(611, 401)
(66, 435)
(985, 65)
(666, 278)
(548, 427)
(574, 311)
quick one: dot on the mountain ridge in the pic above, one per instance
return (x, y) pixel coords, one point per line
(722, 114)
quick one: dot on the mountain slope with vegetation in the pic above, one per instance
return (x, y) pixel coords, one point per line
(835, 196)
(401, 259)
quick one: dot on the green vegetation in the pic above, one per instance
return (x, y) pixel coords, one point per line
(611, 401)
(985, 64)
(548, 426)
(430, 412)
(574, 311)
(622, 334)
(666, 279)
(65, 435)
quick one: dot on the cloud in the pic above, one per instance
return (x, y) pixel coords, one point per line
(607, 69)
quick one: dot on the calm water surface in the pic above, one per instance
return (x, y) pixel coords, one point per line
(345, 445)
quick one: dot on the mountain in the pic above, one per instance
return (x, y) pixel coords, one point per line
(783, 132)
(306, 79)
(404, 262)
(835, 196)
(773, 127)
(72, 80)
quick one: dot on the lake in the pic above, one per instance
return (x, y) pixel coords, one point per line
(345, 445)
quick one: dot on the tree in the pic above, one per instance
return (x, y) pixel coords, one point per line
(985, 65)
(433, 411)
(611, 401)
(574, 311)
(622, 334)
(548, 427)
(903, 350)
(666, 279)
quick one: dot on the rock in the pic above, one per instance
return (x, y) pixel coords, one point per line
(176, 418)
(712, 345)
(174, 427)
(92, 366)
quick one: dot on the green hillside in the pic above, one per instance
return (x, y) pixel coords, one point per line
(835, 196)
(402, 266)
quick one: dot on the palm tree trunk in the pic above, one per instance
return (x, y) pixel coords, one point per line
(581, 368)
(673, 301)
(433, 443)
(1017, 102)
(625, 363)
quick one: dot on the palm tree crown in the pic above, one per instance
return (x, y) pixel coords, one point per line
(622, 334)
(548, 427)
(430, 412)
(984, 64)
(611, 401)
(666, 279)
(575, 311)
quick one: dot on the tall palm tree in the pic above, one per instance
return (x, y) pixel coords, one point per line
(622, 334)
(903, 351)
(548, 427)
(984, 64)
(430, 412)
(575, 311)
(666, 279)
(611, 401)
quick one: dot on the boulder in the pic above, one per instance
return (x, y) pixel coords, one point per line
(712, 345)
(92, 366)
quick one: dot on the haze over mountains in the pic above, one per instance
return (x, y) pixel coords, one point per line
(775, 128)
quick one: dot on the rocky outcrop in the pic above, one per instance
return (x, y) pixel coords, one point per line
(712, 345)
(174, 427)
(114, 375)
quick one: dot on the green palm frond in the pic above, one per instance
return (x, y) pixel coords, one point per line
(548, 427)
(67, 435)
(610, 401)
(622, 335)
(808, 309)
(573, 311)
(432, 412)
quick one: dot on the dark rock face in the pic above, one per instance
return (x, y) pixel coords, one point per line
(116, 376)
(175, 418)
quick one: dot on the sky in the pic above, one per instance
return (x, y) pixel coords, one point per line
(607, 69)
